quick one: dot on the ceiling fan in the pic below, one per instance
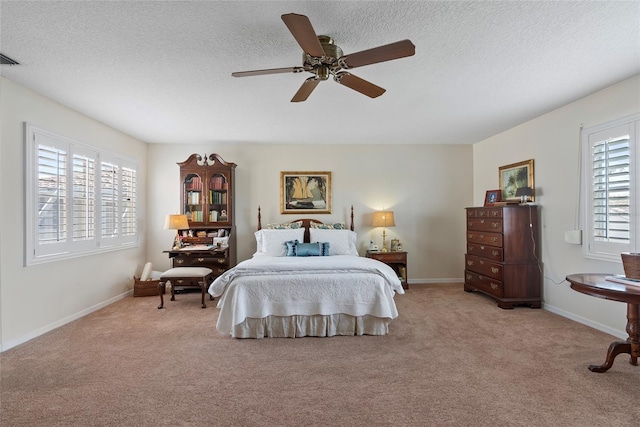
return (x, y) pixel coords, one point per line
(322, 58)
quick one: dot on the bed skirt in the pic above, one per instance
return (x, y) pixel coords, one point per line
(310, 326)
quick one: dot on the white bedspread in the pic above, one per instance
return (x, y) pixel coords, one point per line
(285, 286)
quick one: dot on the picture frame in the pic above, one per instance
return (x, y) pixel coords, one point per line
(513, 176)
(492, 197)
(305, 192)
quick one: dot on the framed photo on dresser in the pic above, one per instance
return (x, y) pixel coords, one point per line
(492, 197)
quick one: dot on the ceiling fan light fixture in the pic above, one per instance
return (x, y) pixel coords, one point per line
(331, 50)
(323, 58)
(322, 72)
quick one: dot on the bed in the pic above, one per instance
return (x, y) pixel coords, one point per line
(306, 279)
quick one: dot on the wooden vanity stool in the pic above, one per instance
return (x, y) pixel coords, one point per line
(185, 277)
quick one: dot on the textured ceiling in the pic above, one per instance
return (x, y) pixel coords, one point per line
(161, 70)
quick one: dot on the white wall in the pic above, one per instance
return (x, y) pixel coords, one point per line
(39, 298)
(552, 141)
(427, 186)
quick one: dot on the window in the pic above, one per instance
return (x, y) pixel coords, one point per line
(80, 199)
(611, 160)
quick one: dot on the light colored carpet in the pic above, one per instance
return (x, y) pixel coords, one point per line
(451, 359)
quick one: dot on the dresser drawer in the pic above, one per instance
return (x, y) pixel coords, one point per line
(389, 257)
(484, 283)
(485, 224)
(483, 267)
(491, 239)
(484, 212)
(490, 252)
(199, 261)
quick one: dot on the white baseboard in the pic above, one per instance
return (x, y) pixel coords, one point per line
(64, 321)
(427, 281)
(595, 325)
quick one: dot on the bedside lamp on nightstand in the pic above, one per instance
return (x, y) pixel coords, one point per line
(176, 222)
(383, 219)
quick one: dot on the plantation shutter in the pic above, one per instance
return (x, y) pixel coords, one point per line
(110, 201)
(611, 190)
(129, 196)
(52, 197)
(84, 194)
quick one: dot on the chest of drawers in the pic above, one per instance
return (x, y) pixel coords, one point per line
(502, 254)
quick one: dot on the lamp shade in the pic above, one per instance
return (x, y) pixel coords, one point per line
(524, 191)
(176, 222)
(383, 219)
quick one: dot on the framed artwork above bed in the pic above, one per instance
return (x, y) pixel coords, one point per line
(305, 192)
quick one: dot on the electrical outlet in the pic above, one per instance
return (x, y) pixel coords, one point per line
(573, 236)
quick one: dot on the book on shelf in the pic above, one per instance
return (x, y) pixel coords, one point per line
(618, 278)
(194, 183)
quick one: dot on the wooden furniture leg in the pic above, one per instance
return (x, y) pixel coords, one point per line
(631, 346)
(160, 285)
(186, 276)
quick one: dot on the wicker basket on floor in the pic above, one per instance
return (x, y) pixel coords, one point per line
(146, 288)
(631, 265)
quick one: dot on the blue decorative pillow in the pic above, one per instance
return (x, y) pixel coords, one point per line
(295, 248)
(324, 248)
(291, 247)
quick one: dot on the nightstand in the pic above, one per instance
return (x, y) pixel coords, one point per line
(396, 260)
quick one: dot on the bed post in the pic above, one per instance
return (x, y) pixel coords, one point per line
(351, 217)
(259, 219)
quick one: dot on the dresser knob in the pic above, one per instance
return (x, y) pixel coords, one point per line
(482, 221)
(221, 261)
(470, 236)
(495, 270)
(179, 261)
(494, 286)
(200, 259)
(468, 277)
(469, 263)
(494, 253)
(482, 248)
(494, 239)
(494, 213)
(494, 225)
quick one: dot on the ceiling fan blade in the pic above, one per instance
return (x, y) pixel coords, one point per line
(359, 85)
(268, 71)
(305, 90)
(387, 52)
(303, 32)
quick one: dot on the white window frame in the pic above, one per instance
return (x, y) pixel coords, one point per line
(37, 251)
(605, 248)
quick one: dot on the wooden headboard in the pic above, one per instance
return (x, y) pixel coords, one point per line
(305, 223)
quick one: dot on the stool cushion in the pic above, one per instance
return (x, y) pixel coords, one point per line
(186, 272)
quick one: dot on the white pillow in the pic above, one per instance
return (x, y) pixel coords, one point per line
(272, 242)
(341, 242)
